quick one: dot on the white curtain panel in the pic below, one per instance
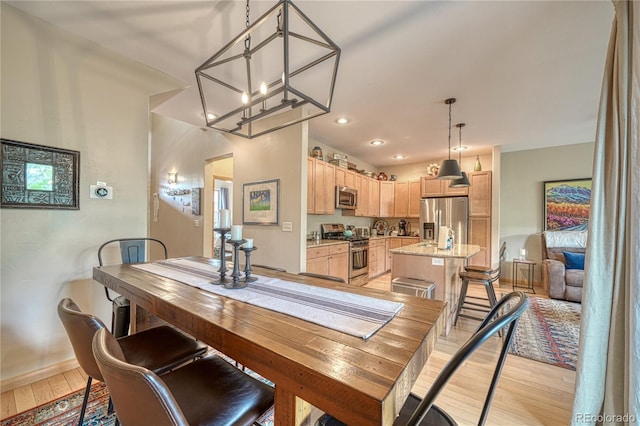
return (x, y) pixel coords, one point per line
(607, 383)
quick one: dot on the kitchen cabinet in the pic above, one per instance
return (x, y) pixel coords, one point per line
(401, 200)
(414, 198)
(374, 198)
(329, 260)
(480, 216)
(432, 187)
(320, 187)
(377, 257)
(395, 242)
(387, 198)
(345, 177)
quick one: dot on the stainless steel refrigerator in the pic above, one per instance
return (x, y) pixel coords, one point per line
(452, 212)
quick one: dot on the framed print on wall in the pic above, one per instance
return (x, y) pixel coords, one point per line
(566, 205)
(261, 203)
(38, 177)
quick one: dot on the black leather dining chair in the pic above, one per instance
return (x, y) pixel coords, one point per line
(159, 349)
(208, 391)
(422, 411)
(132, 250)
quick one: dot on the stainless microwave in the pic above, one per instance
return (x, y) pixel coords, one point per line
(346, 198)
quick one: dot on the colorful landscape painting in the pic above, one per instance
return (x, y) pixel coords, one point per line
(566, 205)
(260, 200)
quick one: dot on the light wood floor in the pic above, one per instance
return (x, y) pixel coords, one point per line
(529, 392)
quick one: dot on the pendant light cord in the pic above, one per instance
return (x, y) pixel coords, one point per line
(247, 40)
(450, 130)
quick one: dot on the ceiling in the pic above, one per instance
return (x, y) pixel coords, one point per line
(526, 74)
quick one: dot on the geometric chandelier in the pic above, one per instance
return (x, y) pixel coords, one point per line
(281, 70)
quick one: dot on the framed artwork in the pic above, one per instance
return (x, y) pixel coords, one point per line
(566, 205)
(196, 194)
(261, 203)
(38, 177)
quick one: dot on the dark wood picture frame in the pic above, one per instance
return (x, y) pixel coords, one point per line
(566, 204)
(38, 177)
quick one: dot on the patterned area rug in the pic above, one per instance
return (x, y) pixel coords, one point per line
(548, 331)
(66, 410)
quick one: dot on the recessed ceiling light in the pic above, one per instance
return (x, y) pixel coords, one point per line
(377, 142)
(342, 120)
(459, 148)
(399, 156)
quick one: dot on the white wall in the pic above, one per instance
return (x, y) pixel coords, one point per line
(278, 155)
(521, 197)
(62, 91)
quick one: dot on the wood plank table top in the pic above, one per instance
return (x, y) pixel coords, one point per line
(363, 382)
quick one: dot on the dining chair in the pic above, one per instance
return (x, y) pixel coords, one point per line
(324, 277)
(208, 391)
(422, 411)
(272, 268)
(485, 276)
(159, 349)
(132, 250)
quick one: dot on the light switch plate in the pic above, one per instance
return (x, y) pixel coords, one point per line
(437, 261)
(287, 226)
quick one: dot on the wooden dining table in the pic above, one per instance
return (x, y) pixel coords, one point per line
(360, 382)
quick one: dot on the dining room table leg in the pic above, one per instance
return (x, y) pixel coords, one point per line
(289, 409)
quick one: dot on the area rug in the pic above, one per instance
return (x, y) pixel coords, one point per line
(65, 411)
(548, 331)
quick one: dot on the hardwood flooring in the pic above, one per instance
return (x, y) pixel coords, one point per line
(528, 393)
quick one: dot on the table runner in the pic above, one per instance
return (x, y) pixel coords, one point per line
(354, 314)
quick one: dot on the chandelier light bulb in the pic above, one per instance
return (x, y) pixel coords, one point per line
(263, 88)
(245, 98)
(210, 116)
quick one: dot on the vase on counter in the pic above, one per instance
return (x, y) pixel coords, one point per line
(477, 167)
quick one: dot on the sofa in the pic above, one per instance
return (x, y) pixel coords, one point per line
(563, 263)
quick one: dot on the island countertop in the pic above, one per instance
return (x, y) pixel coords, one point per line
(459, 251)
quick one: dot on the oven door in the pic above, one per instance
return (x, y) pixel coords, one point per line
(359, 265)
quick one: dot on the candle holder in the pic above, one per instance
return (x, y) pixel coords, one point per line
(235, 275)
(223, 262)
(247, 265)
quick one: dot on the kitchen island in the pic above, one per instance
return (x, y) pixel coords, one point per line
(424, 261)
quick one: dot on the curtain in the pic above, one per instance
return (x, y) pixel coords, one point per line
(607, 382)
(223, 200)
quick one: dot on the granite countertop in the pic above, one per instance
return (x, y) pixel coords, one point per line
(314, 243)
(381, 237)
(461, 251)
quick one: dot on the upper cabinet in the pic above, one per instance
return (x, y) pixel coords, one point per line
(321, 184)
(387, 198)
(401, 202)
(480, 194)
(432, 187)
(414, 198)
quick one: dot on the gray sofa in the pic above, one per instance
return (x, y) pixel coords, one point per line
(562, 283)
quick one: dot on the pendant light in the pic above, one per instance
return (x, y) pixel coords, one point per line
(281, 70)
(463, 182)
(449, 169)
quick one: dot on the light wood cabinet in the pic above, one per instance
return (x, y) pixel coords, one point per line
(401, 200)
(432, 187)
(414, 198)
(374, 198)
(480, 216)
(320, 187)
(387, 198)
(329, 260)
(377, 260)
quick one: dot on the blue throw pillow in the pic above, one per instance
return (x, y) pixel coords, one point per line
(573, 260)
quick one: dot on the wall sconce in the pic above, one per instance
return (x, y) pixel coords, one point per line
(172, 178)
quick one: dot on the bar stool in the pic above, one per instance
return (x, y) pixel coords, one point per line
(485, 276)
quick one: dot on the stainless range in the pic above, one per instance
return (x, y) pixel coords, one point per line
(358, 252)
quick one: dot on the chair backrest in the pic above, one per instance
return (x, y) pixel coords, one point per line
(324, 277)
(139, 396)
(505, 313)
(81, 328)
(132, 250)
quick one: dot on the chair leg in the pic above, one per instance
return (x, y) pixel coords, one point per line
(84, 401)
(491, 293)
(461, 299)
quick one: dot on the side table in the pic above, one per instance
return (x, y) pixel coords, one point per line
(527, 281)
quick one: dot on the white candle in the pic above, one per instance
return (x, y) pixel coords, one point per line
(236, 232)
(249, 243)
(225, 218)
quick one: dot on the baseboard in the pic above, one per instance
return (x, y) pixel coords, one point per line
(34, 376)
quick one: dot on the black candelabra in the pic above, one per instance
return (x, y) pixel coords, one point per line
(223, 261)
(247, 265)
(235, 275)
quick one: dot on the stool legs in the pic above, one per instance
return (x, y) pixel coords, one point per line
(463, 303)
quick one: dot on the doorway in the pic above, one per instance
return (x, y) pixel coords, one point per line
(218, 193)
